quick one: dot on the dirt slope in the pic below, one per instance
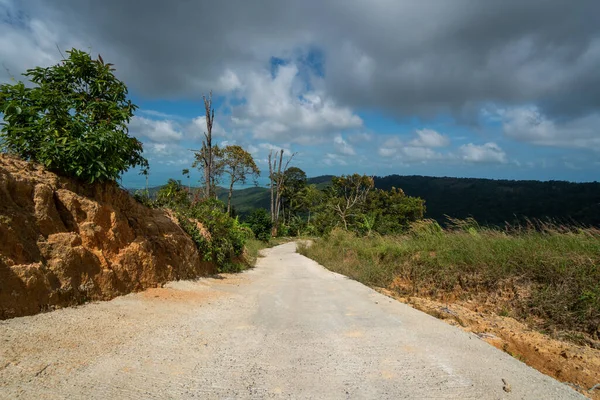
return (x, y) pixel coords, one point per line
(63, 243)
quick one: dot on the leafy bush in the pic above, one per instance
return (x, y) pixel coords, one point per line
(143, 197)
(73, 119)
(283, 230)
(227, 236)
(260, 223)
(173, 195)
(296, 225)
(353, 204)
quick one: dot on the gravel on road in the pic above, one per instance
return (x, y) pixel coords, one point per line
(288, 328)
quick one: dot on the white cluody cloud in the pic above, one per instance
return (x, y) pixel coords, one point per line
(155, 130)
(528, 124)
(486, 153)
(429, 138)
(342, 146)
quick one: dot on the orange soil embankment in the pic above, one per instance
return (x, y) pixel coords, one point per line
(63, 242)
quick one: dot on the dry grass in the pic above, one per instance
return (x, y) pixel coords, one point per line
(546, 275)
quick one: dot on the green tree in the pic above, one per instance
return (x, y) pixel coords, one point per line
(173, 194)
(294, 181)
(186, 172)
(348, 194)
(312, 199)
(238, 164)
(391, 211)
(260, 223)
(73, 119)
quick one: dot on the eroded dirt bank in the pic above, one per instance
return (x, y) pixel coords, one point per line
(64, 243)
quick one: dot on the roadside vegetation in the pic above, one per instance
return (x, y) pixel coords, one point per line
(545, 275)
(73, 118)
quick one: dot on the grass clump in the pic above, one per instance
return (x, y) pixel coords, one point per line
(548, 275)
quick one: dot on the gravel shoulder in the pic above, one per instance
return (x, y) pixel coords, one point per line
(285, 329)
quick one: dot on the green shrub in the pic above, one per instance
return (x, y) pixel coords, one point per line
(296, 225)
(227, 236)
(246, 231)
(143, 197)
(173, 195)
(260, 223)
(73, 119)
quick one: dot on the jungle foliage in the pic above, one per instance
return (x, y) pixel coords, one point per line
(73, 118)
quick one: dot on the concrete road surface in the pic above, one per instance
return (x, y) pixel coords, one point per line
(286, 329)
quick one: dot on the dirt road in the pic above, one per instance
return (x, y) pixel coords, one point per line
(286, 329)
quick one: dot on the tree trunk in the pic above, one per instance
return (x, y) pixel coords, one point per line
(208, 156)
(279, 188)
(229, 198)
(271, 183)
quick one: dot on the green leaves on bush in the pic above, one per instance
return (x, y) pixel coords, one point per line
(173, 195)
(73, 119)
(225, 247)
(260, 223)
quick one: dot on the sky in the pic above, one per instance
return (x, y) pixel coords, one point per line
(489, 89)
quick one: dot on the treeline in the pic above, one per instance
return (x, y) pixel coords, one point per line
(495, 202)
(349, 202)
(490, 202)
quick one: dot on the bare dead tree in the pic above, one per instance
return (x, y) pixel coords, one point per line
(276, 185)
(205, 156)
(279, 190)
(207, 145)
(271, 184)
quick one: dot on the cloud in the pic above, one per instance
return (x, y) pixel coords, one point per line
(342, 147)
(154, 130)
(419, 148)
(172, 154)
(429, 138)
(528, 124)
(29, 41)
(195, 129)
(331, 159)
(159, 114)
(279, 107)
(361, 137)
(486, 153)
(462, 55)
(276, 148)
(408, 152)
(229, 82)
(301, 72)
(395, 148)
(391, 147)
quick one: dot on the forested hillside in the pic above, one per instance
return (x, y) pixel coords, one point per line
(496, 201)
(489, 201)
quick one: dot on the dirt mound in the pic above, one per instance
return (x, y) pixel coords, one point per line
(63, 243)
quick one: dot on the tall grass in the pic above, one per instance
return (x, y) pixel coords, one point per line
(252, 250)
(551, 273)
